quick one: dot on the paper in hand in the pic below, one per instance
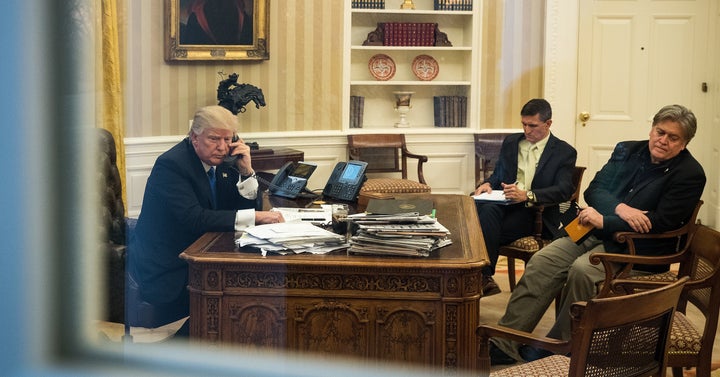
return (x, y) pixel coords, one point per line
(495, 196)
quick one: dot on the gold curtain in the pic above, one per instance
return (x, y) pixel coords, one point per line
(110, 73)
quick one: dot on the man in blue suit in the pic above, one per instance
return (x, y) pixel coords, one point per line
(180, 205)
(534, 167)
(648, 186)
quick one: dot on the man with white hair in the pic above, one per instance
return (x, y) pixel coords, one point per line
(190, 191)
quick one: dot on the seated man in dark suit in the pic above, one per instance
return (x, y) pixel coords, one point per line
(534, 167)
(191, 191)
(649, 186)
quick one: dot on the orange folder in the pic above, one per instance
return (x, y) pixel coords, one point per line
(577, 231)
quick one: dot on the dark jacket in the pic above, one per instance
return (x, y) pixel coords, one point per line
(176, 211)
(552, 182)
(669, 192)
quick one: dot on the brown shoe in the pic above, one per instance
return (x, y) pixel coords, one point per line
(489, 286)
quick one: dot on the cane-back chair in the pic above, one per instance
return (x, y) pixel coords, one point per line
(387, 153)
(691, 345)
(607, 339)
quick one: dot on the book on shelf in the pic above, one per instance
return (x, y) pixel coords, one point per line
(452, 4)
(408, 33)
(357, 108)
(368, 4)
(450, 111)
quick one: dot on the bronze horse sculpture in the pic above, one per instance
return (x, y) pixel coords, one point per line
(235, 97)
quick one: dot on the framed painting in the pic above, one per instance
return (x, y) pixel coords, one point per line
(216, 30)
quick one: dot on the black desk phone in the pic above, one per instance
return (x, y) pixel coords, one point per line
(291, 179)
(346, 180)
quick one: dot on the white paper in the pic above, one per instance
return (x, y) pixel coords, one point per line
(311, 215)
(493, 196)
(292, 237)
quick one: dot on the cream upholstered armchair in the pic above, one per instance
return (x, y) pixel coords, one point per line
(387, 153)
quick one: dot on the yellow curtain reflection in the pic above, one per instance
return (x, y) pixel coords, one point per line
(109, 70)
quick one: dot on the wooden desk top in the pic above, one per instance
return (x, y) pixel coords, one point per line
(455, 212)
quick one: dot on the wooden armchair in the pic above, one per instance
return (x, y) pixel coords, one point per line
(607, 339)
(525, 247)
(681, 237)
(487, 151)
(689, 345)
(387, 153)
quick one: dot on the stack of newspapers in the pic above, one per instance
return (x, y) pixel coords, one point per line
(409, 234)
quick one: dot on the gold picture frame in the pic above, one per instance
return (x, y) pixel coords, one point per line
(189, 27)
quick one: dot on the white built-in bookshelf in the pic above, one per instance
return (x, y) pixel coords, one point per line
(458, 65)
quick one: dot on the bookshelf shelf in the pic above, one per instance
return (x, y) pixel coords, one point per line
(410, 83)
(458, 67)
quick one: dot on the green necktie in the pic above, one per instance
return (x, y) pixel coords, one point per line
(531, 164)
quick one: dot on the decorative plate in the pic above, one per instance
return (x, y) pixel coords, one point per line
(382, 67)
(425, 67)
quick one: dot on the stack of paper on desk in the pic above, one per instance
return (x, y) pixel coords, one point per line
(399, 234)
(292, 237)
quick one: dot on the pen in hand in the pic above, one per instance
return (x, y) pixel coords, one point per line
(510, 190)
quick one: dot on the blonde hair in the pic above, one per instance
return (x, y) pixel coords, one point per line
(213, 117)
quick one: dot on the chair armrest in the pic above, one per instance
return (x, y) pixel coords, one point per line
(485, 332)
(538, 222)
(421, 160)
(597, 258)
(628, 286)
(631, 259)
(497, 331)
(420, 157)
(630, 237)
(608, 259)
(687, 229)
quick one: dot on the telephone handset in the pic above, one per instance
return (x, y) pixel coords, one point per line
(291, 179)
(346, 180)
(230, 160)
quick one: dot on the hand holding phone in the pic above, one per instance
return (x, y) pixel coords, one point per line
(231, 158)
(239, 156)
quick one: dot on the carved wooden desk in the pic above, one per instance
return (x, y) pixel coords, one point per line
(418, 310)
